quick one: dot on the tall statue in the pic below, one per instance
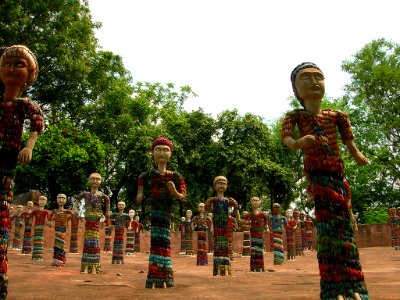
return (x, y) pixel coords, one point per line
(119, 219)
(131, 226)
(94, 200)
(60, 217)
(188, 230)
(258, 224)
(18, 71)
(41, 218)
(200, 226)
(26, 217)
(76, 223)
(276, 223)
(341, 275)
(138, 230)
(246, 225)
(220, 206)
(164, 186)
(16, 219)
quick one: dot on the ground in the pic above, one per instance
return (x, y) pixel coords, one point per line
(296, 279)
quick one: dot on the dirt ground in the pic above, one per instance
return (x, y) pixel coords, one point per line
(296, 279)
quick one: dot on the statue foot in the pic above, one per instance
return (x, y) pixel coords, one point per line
(340, 297)
(153, 285)
(164, 285)
(356, 296)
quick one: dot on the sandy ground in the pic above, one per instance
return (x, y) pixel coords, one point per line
(296, 279)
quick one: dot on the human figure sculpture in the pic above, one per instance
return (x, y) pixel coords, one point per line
(18, 225)
(341, 275)
(232, 227)
(393, 222)
(246, 225)
(108, 228)
(210, 228)
(303, 230)
(76, 222)
(181, 229)
(119, 220)
(298, 238)
(164, 185)
(201, 225)
(290, 236)
(138, 230)
(60, 217)
(188, 229)
(258, 224)
(41, 218)
(94, 199)
(26, 218)
(309, 224)
(130, 226)
(220, 206)
(18, 71)
(277, 223)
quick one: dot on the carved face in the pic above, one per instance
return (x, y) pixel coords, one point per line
(121, 206)
(221, 186)
(15, 71)
(200, 207)
(310, 84)
(94, 180)
(137, 218)
(61, 199)
(276, 210)
(42, 201)
(131, 213)
(255, 203)
(19, 209)
(161, 153)
(29, 204)
(188, 214)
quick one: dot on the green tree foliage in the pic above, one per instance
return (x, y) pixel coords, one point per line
(63, 159)
(372, 100)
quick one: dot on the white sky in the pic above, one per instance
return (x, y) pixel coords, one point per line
(240, 53)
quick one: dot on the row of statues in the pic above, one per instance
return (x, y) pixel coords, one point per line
(338, 257)
(394, 223)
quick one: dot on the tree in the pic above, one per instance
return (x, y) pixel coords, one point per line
(372, 99)
(63, 159)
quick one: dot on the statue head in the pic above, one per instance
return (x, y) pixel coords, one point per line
(131, 213)
(304, 78)
(29, 204)
(161, 149)
(42, 200)
(220, 183)
(200, 207)
(189, 214)
(21, 57)
(19, 209)
(121, 206)
(276, 209)
(94, 180)
(61, 199)
(255, 203)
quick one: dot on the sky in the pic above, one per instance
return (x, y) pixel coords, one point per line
(238, 54)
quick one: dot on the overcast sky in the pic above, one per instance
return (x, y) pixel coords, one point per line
(239, 54)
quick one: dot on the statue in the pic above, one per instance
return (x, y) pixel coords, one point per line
(139, 228)
(394, 223)
(276, 223)
(258, 223)
(220, 206)
(131, 226)
(41, 218)
(94, 199)
(290, 239)
(188, 229)
(119, 219)
(246, 225)
(27, 220)
(18, 71)
(60, 217)
(303, 230)
(164, 185)
(18, 224)
(182, 231)
(309, 225)
(76, 223)
(297, 234)
(210, 229)
(341, 275)
(200, 225)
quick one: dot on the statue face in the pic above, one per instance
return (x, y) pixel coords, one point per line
(183, 219)
(221, 186)
(61, 199)
(121, 206)
(189, 214)
(137, 218)
(276, 210)
(94, 180)
(131, 213)
(15, 71)
(42, 201)
(161, 153)
(255, 203)
(29, 204)
(310, 84)
(201, 208)
(19, 208)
